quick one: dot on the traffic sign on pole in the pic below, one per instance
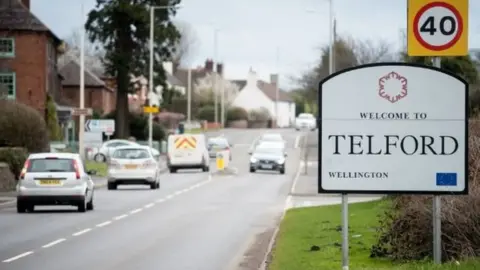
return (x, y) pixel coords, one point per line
(437, 28)
(82, 111)
(100, 125)
(151, 109)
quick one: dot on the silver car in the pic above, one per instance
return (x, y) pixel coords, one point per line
(55, 179)
(133, 165)
(218, 144)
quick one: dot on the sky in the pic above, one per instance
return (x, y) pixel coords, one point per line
(268, 36)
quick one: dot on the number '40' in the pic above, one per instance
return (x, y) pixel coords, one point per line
(447, 26)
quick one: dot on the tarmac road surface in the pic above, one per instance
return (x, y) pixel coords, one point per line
(201, 221)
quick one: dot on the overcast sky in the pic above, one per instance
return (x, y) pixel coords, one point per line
(250, 31)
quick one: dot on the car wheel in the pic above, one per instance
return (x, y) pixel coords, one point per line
(82, 206)
(111, 186)
(99, 158)
(30, 208)
(282, 171)
(252, 170)
(153, 185)
(21, 208)
(173, 170)
(90, 204)
(158, 185)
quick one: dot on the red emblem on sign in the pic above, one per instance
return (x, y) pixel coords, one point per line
(392, 87)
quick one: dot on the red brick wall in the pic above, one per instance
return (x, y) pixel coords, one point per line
(29, 65)
(98, 99)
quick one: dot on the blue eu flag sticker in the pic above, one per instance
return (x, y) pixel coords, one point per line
(446, 179)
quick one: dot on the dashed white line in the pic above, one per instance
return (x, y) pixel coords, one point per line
(149, 205)
(53, 243)
(136, 211)
(169, 196)
(103, 224)
(81, 232)
(160, 200)
(18, 257)
(120, 217)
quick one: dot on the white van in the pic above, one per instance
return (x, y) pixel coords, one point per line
(187, 151)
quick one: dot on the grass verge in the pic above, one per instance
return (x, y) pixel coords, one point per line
(303, 228)
(101, 168)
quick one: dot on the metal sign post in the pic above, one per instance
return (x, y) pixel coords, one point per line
(437, 209)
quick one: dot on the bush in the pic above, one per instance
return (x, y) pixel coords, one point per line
(7, 179)
(405, 232)
(207, 113)
(137, 123)
(15, 158)
(158, 132)
(54, 130)
(259, 115)
(236, 114)
(22, 126)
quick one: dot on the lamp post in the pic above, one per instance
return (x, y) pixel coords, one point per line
(81, 124)
(151, 60)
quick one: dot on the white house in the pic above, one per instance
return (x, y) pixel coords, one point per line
(255, 94)
(172, 81)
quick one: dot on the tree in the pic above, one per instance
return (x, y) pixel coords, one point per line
(204, 89)
(185, 47)
(94, 53)
(123, 27)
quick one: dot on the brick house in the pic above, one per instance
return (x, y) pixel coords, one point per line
(98, 95)
(28, 55)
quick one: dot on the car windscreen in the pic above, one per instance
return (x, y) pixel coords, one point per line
(131, 154)
(268, 150)
(271, 138)
(51, 165)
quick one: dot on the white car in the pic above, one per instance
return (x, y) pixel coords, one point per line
(306, 121)
(133, 165)
(107, 149)
(55, 179)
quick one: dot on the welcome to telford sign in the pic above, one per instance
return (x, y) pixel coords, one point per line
(393, 128)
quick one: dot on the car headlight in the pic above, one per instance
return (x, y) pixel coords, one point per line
(253, 160)
(281, 161)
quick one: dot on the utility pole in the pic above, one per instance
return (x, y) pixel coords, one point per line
(277, 88)
(81, 124)
(189, 95)
(222, 92)
(214, 73)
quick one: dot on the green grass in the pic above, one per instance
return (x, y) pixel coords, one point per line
(304, 227)
(101, 168)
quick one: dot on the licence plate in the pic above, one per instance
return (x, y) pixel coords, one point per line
(130, 166)
(50, 182)
(267, 166)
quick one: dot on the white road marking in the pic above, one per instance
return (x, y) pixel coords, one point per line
(103, 224)
(169, 196)
(149, 205)
(18, 257)
(297, 141)
(53, 243)
(81, 232)
(120, 217)
(160, 200)
(136, 211)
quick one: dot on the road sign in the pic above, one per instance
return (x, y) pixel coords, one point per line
(84, 111)
(151, 109)
(100, 125)
(393, 133)
(437, 28)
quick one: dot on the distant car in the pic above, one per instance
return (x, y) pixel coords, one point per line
(305, 121)
(269, 157)
(217, 144)
(55, 179)
(109, 147)
(268, 137)
(133, 165)
(268, 144)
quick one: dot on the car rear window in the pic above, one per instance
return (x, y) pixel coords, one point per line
(220, 143)
(51, 165)
(131, 154)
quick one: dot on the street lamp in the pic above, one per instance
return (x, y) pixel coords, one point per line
(81, 123)
(150, 77)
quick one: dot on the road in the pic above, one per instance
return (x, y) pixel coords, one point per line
(195, 221)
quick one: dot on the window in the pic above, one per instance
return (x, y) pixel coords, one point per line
(51, 165)
(7, 80)
(7, 47)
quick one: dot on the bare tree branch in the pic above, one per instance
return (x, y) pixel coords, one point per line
(186, 46)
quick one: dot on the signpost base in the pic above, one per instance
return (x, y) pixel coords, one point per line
(344, 231)
(437, 209)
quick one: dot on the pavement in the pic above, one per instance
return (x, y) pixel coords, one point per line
(304, 191)
(196, 220)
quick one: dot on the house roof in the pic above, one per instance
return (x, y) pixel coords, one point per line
(71, 73)
(173, 80)
(15, 16)
(241, 83)
(270, 91)
(182, 76)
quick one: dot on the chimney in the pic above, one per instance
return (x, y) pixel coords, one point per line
(252, 77)
(220, 69)
(274, 79)
(209, 65)
(26, 3)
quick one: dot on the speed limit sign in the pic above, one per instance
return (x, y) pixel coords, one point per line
(437, 28)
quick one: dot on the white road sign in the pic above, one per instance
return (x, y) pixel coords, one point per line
(100, 125)
(393, 128)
